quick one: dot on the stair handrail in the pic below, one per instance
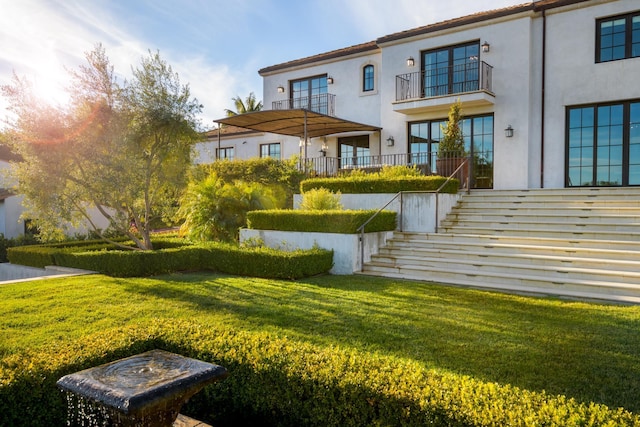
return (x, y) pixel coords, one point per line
(399, 194)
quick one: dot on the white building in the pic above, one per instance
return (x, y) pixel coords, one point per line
(549, 91)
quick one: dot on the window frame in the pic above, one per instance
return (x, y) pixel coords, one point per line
(269, 153)
(628, 37)
(368, 79)
(630, 162)
(222, 153)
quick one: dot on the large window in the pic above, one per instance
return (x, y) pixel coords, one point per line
(618, 37)
(453, 69)
(478, 135)
(368, 78)
(603, 145)
(354, 152)
(227, 153)
(270, 150)
(310, 93)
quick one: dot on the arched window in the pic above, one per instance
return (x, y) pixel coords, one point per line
(367, 78)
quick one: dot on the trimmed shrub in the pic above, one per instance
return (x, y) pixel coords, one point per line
(374, 183)
(224, 258)
(320, 199)
(345, 222)
(275, 381)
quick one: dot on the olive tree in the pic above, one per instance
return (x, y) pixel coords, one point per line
(122, 149)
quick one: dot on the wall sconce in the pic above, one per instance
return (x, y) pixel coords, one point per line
(280, 89)
(324, 148)
(508, 132)
(390, 141)
(486, 47)
(410, 61)
(329, 80)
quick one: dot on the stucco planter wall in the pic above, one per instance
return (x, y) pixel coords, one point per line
(417, 212)
(346, 248)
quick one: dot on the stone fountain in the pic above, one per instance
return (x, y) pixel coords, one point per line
(143, 390)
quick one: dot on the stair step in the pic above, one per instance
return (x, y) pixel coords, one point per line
(578, 243)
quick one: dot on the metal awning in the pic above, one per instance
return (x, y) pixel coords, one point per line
(298, 122)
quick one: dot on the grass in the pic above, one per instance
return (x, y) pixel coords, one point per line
(587, 351)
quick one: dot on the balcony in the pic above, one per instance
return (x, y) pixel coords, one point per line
(323, 103)
(436, 88)
(478, 169)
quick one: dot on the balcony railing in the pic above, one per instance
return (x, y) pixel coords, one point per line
(469, 77)
(323, 103)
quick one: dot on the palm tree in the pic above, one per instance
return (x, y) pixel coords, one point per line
(249, 105)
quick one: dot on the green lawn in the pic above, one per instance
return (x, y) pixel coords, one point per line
(587, 351)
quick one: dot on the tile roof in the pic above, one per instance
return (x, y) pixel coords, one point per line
(534, 6)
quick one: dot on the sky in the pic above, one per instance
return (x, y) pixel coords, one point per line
(215, 46)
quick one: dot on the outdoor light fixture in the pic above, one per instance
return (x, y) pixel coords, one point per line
(330, 80)
(486, 47)
(410, 61)
(390, 141)
(508, 132)
(280, 89)
(324, 149)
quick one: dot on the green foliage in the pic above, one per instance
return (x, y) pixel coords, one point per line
(320, 199)
(120, 149)
(267, 262)
(278, 381)
(374, 183)
(335, 221)
(5, 244)
(399, 171)
(267, 171)
(174, 255)
(216, 210)
(242, 107)
(452, 142)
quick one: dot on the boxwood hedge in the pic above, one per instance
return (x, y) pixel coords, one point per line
(380, 184)
(330, 221)
(275, 381)
(224, 258)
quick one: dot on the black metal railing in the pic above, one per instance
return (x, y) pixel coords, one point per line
(438, 81)
(324, 103)
(332, 166)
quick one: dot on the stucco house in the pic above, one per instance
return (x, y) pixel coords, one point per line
(551, 104)
(548, 89)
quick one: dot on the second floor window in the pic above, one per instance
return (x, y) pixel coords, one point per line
(452, 69)
(310, 93)
(367, 78)
(618, 38)
(270, 150)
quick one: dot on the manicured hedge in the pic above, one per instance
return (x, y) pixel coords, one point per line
(275, 381)
(377, 184)
(330, 221)
(224, 258)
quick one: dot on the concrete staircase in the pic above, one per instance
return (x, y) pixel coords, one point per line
(575, 243)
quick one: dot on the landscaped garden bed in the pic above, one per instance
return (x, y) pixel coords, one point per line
(329, 351)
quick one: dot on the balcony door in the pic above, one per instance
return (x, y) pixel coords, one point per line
(450, 70)
(354, 152)
(308, 94)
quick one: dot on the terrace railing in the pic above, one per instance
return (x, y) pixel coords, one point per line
(439, 81)
(324, 103)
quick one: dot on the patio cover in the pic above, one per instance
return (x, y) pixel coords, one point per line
(297, 122)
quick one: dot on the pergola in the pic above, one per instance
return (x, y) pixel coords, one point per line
(300, 122)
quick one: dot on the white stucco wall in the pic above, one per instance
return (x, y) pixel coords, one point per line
(416, 211)
(346, 247)
(574, 78)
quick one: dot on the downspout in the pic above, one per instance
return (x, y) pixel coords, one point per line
(544, 74)
(217, 156)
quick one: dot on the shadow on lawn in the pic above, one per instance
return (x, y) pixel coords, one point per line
(585, 351)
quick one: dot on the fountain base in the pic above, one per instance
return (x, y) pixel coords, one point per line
(148, 389)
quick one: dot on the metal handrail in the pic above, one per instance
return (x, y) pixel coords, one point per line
(399, 194)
